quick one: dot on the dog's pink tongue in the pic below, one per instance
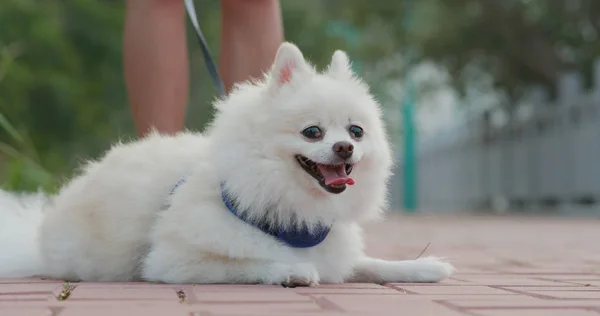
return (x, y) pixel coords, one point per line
(335, 175)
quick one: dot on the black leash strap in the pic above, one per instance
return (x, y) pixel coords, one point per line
(208, 60)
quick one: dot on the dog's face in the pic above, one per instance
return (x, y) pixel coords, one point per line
(304, 140)
(329, 131)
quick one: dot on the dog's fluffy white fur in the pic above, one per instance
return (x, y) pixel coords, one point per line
(110, 223)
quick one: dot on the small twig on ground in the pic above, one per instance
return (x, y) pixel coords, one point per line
(422, 252)
(66, 291)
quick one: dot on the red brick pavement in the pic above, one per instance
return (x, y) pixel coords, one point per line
(506, 266)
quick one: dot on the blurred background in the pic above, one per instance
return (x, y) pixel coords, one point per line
(492, 106)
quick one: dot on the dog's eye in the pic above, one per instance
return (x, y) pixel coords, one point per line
(356, 131)
(312, 132)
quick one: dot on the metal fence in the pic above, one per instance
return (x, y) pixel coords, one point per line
(545, 155)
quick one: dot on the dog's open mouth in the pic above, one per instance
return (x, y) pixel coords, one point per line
(333, 178)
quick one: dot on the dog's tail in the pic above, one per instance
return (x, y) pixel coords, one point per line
(20, 218)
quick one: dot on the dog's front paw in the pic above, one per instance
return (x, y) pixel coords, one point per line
(430, 269)
(293, 275)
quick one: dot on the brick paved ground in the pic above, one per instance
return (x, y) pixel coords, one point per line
(507, 266)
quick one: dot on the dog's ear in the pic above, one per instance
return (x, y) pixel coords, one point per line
(340, 66)
(289, 63)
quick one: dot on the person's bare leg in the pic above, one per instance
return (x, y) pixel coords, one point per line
(251, 33)
(155, 61)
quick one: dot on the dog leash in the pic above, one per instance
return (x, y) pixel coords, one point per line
(208, 60)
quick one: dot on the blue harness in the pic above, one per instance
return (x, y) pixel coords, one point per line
(293, 237)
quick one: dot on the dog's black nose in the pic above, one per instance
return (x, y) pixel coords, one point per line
(343, 149)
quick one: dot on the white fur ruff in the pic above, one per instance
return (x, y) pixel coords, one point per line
(110, 222)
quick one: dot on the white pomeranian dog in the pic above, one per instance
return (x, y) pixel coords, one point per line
(274, 192)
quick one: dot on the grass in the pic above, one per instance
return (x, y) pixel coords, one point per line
(21, 168)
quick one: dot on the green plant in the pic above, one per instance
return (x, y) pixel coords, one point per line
(20, 164)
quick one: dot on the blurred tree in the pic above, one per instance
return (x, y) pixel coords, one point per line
(61, 74)
(518, 42)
